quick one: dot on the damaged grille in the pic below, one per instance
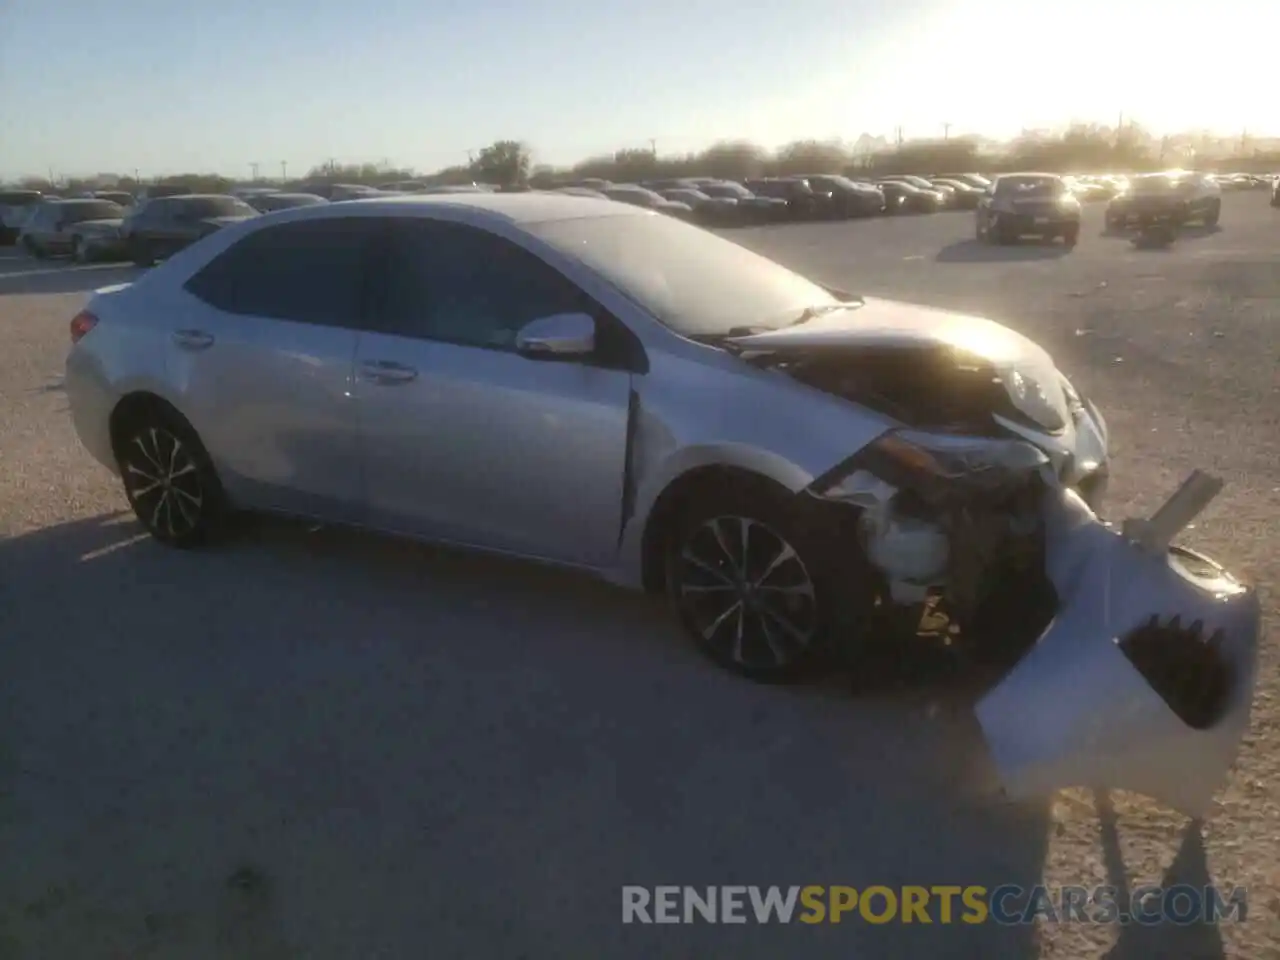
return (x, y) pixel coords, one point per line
(1182, 665)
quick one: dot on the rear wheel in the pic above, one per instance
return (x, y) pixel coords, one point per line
(80, 250)
(760, 593)
(168, 477)
(1213, 214)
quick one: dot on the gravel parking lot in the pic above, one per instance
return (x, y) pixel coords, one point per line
(323, 744)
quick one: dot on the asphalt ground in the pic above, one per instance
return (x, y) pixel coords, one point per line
(325, 744)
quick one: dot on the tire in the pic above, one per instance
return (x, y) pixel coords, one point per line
(1004, 236)
(1071, 235)
(169, 479)
(1214, 214)
(34, 249)
(142, 254)
(80, 251)
(798, 591)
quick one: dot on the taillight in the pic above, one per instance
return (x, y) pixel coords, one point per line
(81, 324)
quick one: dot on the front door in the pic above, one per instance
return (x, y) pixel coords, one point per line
(463, 438)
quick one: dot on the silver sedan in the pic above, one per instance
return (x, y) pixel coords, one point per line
(802, 471)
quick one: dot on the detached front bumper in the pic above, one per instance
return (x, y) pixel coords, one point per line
(1096, 702)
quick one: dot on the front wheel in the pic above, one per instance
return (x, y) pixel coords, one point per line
(758, 593)
(169, 479)
(80, 251)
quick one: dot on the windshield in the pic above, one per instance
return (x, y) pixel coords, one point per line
(730, 190)
(1158, 184)
(216, 207)
(920, 182)
(286, 201)
(691, 280)
(1030, 186)
(20, 198)
(77, 211)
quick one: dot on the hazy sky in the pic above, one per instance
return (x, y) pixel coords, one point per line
(165, 87)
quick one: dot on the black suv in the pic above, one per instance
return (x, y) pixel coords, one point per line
(1021, 204)
(1177, 198)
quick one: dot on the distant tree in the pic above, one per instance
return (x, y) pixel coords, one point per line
(505, 162)
(733, 160)
(811, 156)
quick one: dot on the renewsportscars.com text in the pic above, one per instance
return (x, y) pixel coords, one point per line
(1008, 904)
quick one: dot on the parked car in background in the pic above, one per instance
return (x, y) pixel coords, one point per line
(163, 227)
(1028, 204)
(1275, 191)
(965, 196)
(973, 179)
(64, 227)
(801, 200)
(580, 192)
(904, 197)
(925, 187)
(638, 196)
(1177, 196)
(122, 197)
(15, 207)
(850, 198)
(268, 202)
(751, 208)
(162, 190)
(713, 211)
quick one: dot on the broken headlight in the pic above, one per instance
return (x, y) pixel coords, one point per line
(933, 465)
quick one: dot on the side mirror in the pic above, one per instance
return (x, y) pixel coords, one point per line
(559, 335)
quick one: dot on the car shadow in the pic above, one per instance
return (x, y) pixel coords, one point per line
(385, 730)
(1191, 232)
(975, 251)
(42, 277)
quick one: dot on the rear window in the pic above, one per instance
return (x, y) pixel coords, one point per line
(19, 198)
(1030, 186)
(77, 211)
(216, 207)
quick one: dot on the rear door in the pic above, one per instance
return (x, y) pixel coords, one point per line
(262, 356)
(463, 438)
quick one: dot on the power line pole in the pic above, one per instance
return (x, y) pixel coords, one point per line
(254, 167)
(284, 169)
(946, 131)
(653, 146)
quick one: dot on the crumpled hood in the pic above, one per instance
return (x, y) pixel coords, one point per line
(888, 323)
(879, 324)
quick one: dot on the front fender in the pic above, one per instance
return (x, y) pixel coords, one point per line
(1076, 712)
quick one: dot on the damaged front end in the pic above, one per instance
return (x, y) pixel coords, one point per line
(1144, 680)
(1135, 659)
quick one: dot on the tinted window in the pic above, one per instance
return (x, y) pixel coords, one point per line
(309, 272)
(77, 211)
(459, 284)
(199, 207)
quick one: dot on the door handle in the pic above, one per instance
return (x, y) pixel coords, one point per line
(192, 339)
(387, 373)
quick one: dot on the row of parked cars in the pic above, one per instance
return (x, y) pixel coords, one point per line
(116, 225)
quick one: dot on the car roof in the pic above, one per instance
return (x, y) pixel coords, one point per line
(519, 208)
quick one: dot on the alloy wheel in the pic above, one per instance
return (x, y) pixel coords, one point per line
(163, 481)
(747, 593)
